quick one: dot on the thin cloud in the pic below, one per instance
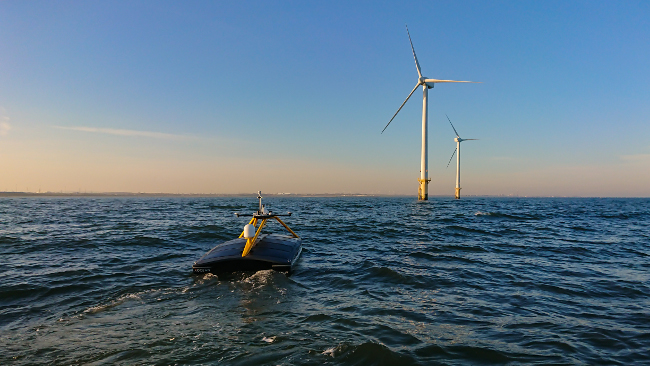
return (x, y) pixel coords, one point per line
(118, 132)
(4, 128)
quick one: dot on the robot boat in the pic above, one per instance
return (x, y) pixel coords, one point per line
(252, 250)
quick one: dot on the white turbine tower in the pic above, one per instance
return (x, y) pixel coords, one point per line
(423, 190)
(458, 141)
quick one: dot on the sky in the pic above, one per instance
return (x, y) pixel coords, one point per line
(291, 96)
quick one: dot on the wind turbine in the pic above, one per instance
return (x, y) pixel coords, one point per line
(423, 189)
(458, 141)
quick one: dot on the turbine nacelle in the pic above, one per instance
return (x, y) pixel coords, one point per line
(458, 139)
(423, 81)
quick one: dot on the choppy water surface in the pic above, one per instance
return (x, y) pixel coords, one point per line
(380, 281)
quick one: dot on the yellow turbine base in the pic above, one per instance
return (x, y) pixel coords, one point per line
(457, 193)
(423, 189)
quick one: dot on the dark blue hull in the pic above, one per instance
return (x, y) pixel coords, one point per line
(272, 251)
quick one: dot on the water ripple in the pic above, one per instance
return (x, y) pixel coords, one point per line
(381, 281)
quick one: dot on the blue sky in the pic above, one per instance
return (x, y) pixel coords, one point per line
(229, 97)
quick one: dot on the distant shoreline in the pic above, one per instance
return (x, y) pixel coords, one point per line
(142, 194)
(207, 195)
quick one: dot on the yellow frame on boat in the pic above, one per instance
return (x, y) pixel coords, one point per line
(250, 242)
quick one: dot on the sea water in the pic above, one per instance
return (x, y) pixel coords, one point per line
(381, 281)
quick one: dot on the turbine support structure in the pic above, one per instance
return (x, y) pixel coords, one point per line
(423, 190)
(458, 168)
(458, 140)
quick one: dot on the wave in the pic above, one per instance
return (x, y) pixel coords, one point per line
(218, 236)
(625, 215)
(141, 240)
(5, 239)
(260, 278)
(368, 353)
(234, 208)
(506, 216)
(479, 354)
(119, 301)
(465, 229)
(390, 275)
(139, 296)
(582, 228)
(380, 281)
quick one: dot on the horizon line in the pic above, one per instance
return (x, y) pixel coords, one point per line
(164, 194)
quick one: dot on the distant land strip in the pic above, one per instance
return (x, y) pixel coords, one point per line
(143, 194)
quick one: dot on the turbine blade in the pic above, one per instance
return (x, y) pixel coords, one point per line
(452, 156)
(417, 64)
(452, 125)
(450, 81)
(469, 139)
(400, 107)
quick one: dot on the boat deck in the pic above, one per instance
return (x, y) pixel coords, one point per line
(271, 251)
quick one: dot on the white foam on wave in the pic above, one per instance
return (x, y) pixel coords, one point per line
(336, 350)
(201, 280)
(120, 300)
(479, 213)
(269, 339)
(260, 278)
